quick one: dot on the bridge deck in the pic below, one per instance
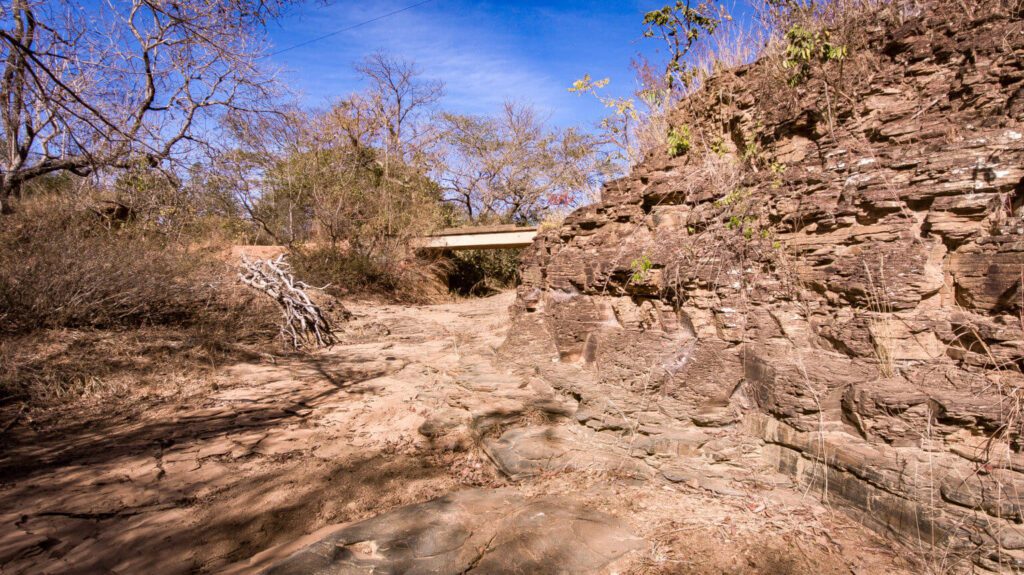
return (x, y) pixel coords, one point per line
(478, 238)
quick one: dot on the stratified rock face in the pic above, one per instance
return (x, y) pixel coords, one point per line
(835, 265)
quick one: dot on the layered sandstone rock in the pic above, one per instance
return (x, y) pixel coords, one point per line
(834, 267)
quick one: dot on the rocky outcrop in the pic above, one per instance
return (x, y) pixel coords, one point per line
(834, 266)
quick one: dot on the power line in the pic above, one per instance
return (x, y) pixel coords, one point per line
(352, 27)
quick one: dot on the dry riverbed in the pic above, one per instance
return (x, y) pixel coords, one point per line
(269, 461)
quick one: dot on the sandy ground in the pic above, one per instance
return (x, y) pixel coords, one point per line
(267, 452)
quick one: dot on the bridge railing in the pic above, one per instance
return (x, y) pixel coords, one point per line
(478, 238)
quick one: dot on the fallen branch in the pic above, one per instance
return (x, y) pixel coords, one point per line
(304, 322)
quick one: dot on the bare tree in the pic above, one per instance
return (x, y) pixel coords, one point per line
(254, 146)
(514, 167)
(361, 164)
(120, 83)
(400, 100)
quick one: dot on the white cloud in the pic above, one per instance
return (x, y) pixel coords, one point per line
(481, 66)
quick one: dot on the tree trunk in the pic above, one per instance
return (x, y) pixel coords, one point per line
(10, 190)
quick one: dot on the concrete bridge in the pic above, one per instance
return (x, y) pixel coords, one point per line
(478, 238)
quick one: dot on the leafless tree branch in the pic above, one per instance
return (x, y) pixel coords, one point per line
(121, 83)
(304, 323)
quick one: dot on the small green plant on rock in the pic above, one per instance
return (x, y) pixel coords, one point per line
(718, 146)
(742, 223)
(738, 216)
(640, 266)
(732, 198)
(806, 47)
(777, 169)
(678, 141)
(751, 153)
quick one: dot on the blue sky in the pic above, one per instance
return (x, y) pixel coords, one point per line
(485, 52)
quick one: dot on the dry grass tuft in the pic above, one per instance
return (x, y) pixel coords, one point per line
(880, 322)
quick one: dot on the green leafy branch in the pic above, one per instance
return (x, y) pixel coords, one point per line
(680, 26)
(678, 141)
(806, 47)
(617, 125)
(640, 267)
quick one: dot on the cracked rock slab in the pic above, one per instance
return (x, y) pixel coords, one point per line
(474, 531)
(528, 451)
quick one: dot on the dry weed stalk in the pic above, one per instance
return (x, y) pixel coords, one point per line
(880, 322)
(998, 452)
(304, 322)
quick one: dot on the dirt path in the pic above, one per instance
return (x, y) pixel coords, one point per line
(409, 408)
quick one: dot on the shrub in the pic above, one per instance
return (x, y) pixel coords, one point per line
(483, 272)
(640, 267)
(398, 275)
(66, 272)
(62, 267)
(806, 47)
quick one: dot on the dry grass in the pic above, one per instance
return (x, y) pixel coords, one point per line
(84, 304)
(735, 43)
(62, 267)
(393, 273)
(51, 368)
(880, 321)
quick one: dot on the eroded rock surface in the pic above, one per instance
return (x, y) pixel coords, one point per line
(833, 267)
(529, 451)
(474, 531)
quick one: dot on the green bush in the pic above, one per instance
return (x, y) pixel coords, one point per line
(678, 141)
(483, 272)
(640, 267)
(805, 47)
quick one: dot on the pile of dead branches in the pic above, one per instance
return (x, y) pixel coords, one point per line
(304, 322)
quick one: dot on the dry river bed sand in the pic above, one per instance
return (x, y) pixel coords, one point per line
(271, 460)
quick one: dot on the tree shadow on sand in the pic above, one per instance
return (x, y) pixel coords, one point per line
(25, 452)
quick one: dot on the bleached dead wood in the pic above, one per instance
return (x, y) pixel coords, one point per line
(304, 322)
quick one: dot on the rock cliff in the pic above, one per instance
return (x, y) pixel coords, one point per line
(833, 266)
